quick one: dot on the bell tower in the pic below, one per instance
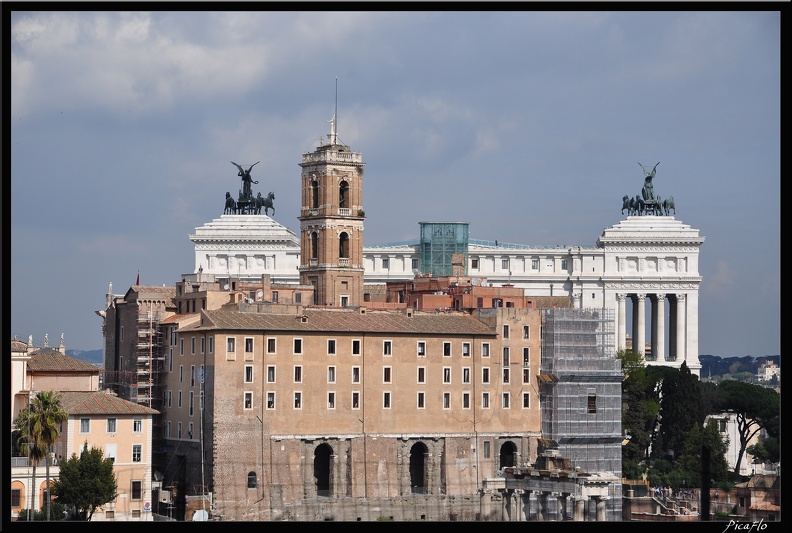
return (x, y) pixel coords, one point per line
(331, 223)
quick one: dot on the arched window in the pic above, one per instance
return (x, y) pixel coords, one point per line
(418, 482)
(508, 454)
(343, 194)
(314, 194)
(252, 483)
(322, 456)
(314, 245)
(343, 245)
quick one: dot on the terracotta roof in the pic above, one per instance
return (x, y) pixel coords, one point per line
(180, 318)
(349, 320)
(18, 346)
(51, 360)
(100, 402)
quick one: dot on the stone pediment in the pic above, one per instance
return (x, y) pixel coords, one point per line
(656, 229)
(247, 228)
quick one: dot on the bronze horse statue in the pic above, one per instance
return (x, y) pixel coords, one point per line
(626, 204)
(266, 203)
(668, 205)
(230, 205)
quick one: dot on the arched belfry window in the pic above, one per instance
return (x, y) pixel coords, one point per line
(314, 245)
(343, 245)
(252, 483)
(343, 194)
(314, 194)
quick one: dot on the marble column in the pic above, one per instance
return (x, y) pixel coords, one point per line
(621, 332)
(658, 327)
(639, 337)
(602, 502)
(681, 316)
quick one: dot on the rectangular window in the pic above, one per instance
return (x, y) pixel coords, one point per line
(179, 403)
(331, 374)
(298, 298)
(203, 345)
(563, 264)
(298, 400)
(421, 374)
(487, 449)
(181, 373)
(248, 400)
(526, 332)
(446, 349)
(356, 347)
(414, 264)
(248, 345)
(355, 374)
(446, 374)
(136, 492)
(355, 400)
(112, 425)
(297, 346)
(534, 264)
(270, 400)
(474, 264)
(190, 430)
(592, 403)
(230, 344)
(178, 430)
(192, 345)
(505, 375)
(526, 400)
(331, 347)
(170, 398)
(385, 263)
(505, 264)
(465, 400)
(16, 498)
(386, 374)
(137, 453)
(526, 357)
(275, 296)
(466, 374)
(505, 401)
(191, 404)
(122, 332)
(248, 373)
(505, 331)
(465, 349)
(421, 398)
(485, 400)
(485, 375)
(526, 375)
(181, 346)
(271, 345)
(270, 374)
(298, 374)
(446, 400)
(387, 348)
(485, 349)
(192, 375)
(137, 425)
(168, 429)
(386, 400)
(211, 344)
(506, 356)
(421, 349)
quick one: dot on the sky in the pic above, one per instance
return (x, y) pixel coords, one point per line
(528, 124)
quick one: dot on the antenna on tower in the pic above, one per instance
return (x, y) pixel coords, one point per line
(336, 105)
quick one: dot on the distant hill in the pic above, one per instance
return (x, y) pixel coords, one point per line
(89, 356)
(712, 365)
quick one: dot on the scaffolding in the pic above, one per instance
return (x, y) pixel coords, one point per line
(440, 241)
(580, 391)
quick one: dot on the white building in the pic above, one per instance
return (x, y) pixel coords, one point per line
(644, 267)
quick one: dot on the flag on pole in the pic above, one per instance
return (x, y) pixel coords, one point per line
(138, 279)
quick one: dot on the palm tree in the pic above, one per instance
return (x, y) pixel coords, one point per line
(39, 428)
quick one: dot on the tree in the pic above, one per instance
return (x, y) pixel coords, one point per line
(755, 407)
(37, 427)
(680, 408)
(638, 412)
(85, 483)
(689, 464)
